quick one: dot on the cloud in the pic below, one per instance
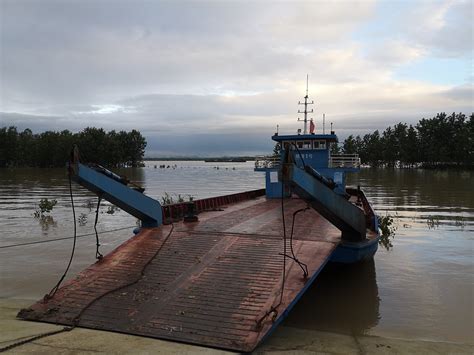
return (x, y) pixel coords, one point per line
(394, 53)
(443, 27)
(199, 70)
(38, 123)
(85, 51)
(464, 93)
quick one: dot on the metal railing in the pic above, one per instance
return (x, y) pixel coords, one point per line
(176, 211)
(267, 162)
(344, 161)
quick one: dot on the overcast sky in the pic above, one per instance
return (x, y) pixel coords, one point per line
(214, 78)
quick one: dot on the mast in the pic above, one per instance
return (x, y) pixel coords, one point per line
(305, 103)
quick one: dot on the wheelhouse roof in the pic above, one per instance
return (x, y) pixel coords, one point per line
(300, 137)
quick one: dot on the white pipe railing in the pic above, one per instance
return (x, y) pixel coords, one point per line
(267, 162)
(344, 161)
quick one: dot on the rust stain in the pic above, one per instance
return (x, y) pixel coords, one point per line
(208, 285)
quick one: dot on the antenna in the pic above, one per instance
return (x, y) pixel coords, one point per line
(324, 122)
(307, 79)
(305, 103)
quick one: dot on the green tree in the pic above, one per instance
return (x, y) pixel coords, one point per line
(389, 152)
(92, 145)
(277, 149)
(8, 146)
(373, 149)
(135, 148)
(335, 148)
(26, 148)
(51, 148)
(410, 147)
(350, 145)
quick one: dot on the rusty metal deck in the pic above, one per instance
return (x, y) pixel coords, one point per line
(208, 284)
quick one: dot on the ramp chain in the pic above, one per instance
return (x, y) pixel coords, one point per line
(36, 337)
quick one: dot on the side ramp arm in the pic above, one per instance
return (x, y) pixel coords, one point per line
(344, 215)
(109, 188)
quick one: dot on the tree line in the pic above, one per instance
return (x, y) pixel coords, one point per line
(52, 148)
(439, 141)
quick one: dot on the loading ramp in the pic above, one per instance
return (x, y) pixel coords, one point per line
(207, 283)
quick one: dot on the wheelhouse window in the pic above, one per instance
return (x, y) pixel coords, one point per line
(304, 144)
(319, 144)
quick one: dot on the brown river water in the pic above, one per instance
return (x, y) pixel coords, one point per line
(422, 288)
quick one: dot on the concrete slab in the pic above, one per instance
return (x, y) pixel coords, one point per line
(80, 341)
(285, 340)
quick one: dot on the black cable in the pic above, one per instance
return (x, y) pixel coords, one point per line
(64, 238)
(55, 288)
(98, 255)
(301, 264)
(284, 242)
(35, 337)
(299, 153)
(273, 309)
(77, 319)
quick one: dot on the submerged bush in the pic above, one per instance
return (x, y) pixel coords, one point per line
(432, 222)
(168, 199)
(45, 206)
(387, 227)
(82, 219)
(112, 209)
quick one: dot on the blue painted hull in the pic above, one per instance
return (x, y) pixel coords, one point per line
(349, 253)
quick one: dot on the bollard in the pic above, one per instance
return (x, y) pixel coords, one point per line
(190, 215)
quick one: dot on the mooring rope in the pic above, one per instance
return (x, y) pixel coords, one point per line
(142, 273)
(273, 310)
(98, 255)
(77, 319)
(56, 287)
(301, 264)
(36, 337)
(63, 238)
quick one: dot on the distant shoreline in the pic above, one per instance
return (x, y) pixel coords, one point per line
(239, 159)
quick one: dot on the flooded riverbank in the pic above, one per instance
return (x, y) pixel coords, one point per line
(421, 288)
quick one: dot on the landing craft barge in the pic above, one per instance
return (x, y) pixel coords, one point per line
(229, 272)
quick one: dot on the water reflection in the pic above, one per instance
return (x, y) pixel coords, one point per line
(424, 281)
(414, 197)
(47, 222)
(135, 175)
(344, 298)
